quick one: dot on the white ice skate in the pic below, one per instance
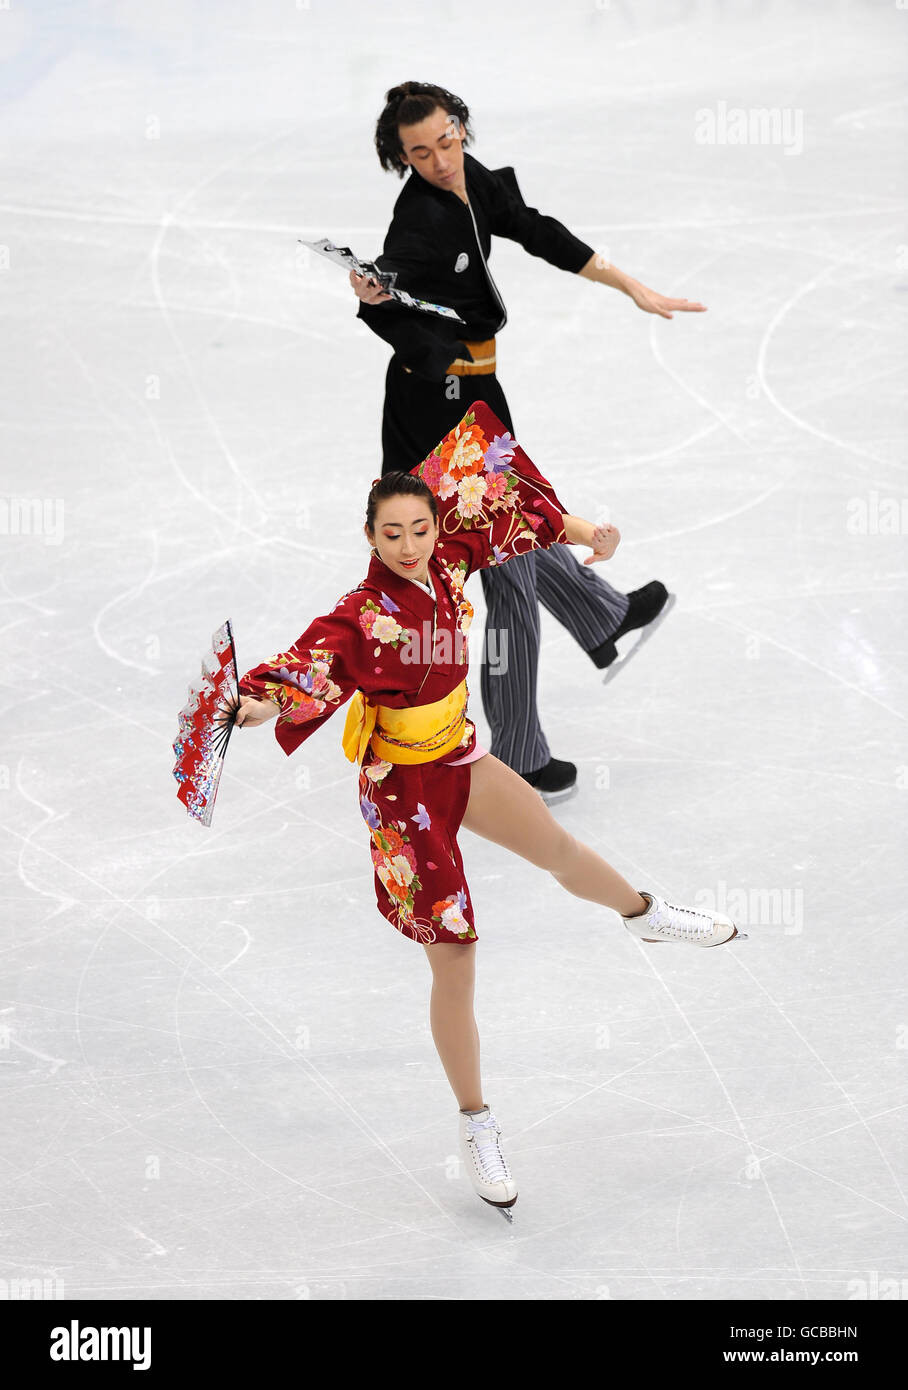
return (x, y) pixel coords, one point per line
(664, 921)
(480, 1149)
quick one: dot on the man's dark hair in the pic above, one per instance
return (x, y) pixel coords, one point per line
(407, 104)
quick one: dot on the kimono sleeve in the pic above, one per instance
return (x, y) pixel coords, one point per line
(311, 680)
(537, 233)
(493, 503)
(427, 347)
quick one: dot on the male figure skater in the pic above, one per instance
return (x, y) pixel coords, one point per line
(438, 243)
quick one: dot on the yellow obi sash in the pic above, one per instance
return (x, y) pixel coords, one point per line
(415, 735)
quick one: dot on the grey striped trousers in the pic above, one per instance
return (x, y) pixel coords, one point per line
(417, 413)
(582, 602)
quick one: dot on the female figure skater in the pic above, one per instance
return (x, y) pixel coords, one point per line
(397, 644)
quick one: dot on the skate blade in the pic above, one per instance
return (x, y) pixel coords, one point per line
(554, 798)
(644, 634)
(735, 936)
(504, 1209)
(659, 940)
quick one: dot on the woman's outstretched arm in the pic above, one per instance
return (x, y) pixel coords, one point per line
(602, 540)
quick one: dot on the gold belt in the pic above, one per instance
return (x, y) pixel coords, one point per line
(417, 734)
(483, 363)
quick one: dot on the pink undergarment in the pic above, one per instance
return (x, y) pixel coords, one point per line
(478, 752)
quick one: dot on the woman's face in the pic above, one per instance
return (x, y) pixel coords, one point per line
(405, 535)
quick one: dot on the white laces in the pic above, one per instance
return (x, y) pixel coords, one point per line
(685, 923)
(491, 1160)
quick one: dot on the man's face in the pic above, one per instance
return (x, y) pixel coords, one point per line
(434, 148)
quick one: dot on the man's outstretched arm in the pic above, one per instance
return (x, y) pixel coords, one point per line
(650, 301)
(547, 237)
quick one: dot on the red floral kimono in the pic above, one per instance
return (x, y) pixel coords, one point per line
(379, 639)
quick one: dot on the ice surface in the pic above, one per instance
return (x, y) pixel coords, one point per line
(219, 1076)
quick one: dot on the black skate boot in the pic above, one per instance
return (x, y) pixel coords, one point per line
(554, 782)
(644, 607)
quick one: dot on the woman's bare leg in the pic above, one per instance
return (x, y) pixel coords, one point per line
(506, 809)
(452, 1020)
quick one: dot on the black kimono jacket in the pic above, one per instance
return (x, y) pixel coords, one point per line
(439, 247)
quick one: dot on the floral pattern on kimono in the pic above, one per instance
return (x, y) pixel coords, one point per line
(492, 501)
(415, 854)
(492, 504)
